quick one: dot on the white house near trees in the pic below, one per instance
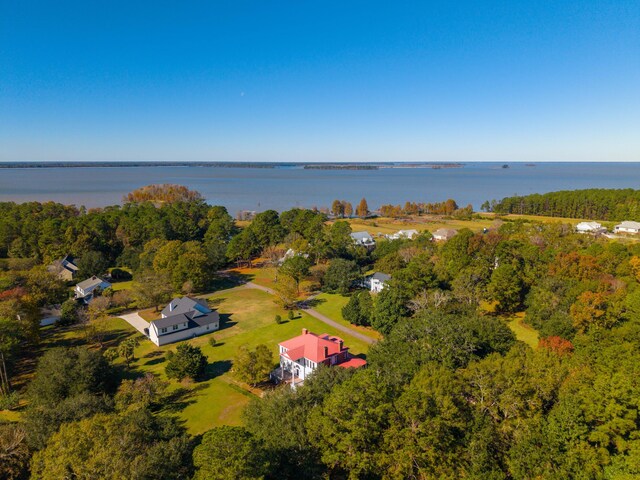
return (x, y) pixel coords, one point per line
(363, 238)
(627, 227)
(590, 227)
(403, 234)
(183, 318)
(377, 281)
(84, 290)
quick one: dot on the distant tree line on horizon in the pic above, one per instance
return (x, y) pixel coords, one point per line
(593, 204)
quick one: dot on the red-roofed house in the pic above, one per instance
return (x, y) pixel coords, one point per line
(301, 355)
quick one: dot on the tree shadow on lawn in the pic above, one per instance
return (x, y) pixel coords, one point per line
(181, 398)
(114, 337)
(217, 368)
(313, 302)
(155, 361)
(226, 322)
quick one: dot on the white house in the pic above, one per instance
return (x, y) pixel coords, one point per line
(85, 289)
(183, 318)
(627, 227)
(363, 238)
(377, 281)
(444, 234)
(590, 227)
(403, 234)
(301, 355)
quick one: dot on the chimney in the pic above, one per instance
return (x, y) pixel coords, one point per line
(326, 352)
(341, 343)
(305, 331)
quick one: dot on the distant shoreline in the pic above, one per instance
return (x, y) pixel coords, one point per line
(302, 165)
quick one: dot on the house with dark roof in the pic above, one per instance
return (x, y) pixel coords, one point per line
(377, 281)
(86, 289)
(301, 355)
(64, 268)
(183, 318)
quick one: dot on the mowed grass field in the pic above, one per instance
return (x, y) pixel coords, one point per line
(331, 305)
(247, 319)
(523, 332)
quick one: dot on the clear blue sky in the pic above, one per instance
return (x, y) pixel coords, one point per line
(342, 80)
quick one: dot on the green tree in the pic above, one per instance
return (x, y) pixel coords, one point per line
(390, 306)
(296, 267)
(68, 312)
(188, 361)
(230, 452)
(126, 349)
(286, 292)
(506, 288)
(152, 289)
(340, 276)
(136, 444)
(92, 263)
(359, 308)
(253, 366)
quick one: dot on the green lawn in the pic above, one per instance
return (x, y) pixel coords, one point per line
(122, 285)
(248, 318)
(523, 332)
(331, 304)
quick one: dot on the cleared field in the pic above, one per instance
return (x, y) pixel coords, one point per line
(247, 319)
(523, 332)
(331, 305)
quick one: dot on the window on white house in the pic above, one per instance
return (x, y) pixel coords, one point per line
(163, 330)
(175, 327)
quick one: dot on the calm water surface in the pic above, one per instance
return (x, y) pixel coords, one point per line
(284, 188)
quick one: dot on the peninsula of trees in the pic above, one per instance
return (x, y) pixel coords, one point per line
(593, 204)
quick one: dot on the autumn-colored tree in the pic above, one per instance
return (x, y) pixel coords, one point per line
(635, 266)
(165, 193)
(557, 345)
(362, 210)
(348, 208)
(337, 208)
(590, 309)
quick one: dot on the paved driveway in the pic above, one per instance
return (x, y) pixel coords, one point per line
(136, 321)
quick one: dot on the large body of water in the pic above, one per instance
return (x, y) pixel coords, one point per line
(286, 187)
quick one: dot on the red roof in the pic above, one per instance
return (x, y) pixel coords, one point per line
(353, 362)
(312, 346)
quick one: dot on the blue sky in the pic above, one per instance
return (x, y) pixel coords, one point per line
(320, 81)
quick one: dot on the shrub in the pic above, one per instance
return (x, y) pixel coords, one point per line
(119, 274)
(9, 401)
(291, 315)
(213, 342)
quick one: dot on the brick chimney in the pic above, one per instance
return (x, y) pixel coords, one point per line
(305, 331)
(341, 343)
(326, 352)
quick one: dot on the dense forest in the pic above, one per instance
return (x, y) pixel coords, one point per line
(448, 392)
(595, 204)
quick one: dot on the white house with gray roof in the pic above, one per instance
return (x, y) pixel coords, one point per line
(377, 281)
(84, 290)
(363, 238)
(590, 227)
(400, 234)
(181, 319)
(627, 227)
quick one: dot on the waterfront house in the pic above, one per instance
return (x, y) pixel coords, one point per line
(181, 319)
(301, 355)
(85, 290)
(444, 234)
(363, 238)
(376, 282)
(590, 227)
(627, 227)
(409, 234)
(64, 268)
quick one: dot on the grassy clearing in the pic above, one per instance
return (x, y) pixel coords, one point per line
(523, 332)
(127, 285)
(331, 305)
(248, 319)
